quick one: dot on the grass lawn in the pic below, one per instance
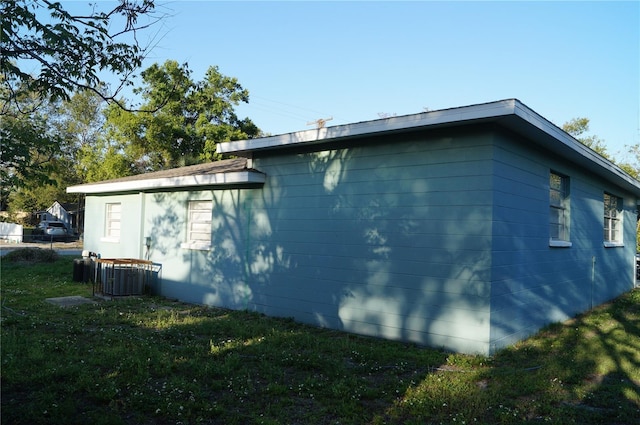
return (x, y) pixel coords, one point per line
(148, 360)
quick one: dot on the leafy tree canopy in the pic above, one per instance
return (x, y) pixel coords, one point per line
(578, 127)
(47, 54)
(41, 152)
(69, 52)
(28, 147)
(188, 119)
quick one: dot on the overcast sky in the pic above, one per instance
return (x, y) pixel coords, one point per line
(353, 61)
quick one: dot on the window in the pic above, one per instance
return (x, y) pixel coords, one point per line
(558, 210)
(198, 225)
(612, 220)
(112, 222)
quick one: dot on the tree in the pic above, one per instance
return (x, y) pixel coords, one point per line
(81, 120)
(578, 127)
(631, 165)
(28, 147)
(66, 53)
(48, 144)
(189, 118)
(69, 51)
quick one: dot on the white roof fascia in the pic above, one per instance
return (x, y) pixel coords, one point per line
(402, 123)
(577, 151)
(238, 177)
(503, 111)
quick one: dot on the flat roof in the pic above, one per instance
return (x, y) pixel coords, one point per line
(509, 113)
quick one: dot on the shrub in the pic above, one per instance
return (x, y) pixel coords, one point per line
(31, 255)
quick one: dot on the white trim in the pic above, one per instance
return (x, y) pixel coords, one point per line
(204, 213)
(560, 244)
(509, 113)
(112, 215)
(200, 246)
(610, 220)
(237, 177)
(406, 122)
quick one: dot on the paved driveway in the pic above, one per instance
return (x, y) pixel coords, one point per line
(62, 248)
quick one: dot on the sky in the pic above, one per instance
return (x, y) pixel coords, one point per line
(358, 61)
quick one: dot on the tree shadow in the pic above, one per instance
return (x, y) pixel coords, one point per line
(423, 240)
(587, 365)
(347, 239)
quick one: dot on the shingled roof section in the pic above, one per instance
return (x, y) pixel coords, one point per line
(224, 166)
(229, 171)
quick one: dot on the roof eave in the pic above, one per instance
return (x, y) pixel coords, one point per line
(201, 180)
(405, 123)
(554, 139)
(510, 113)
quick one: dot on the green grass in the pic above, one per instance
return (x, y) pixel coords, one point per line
(148, 360)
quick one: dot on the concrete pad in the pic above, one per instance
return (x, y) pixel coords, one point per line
(69, 301)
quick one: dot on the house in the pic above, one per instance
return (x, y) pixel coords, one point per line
(71, 214)
(57, 212)
(467, 228)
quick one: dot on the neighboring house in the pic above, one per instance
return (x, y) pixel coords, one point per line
(468, 228)
(71, 214)
(57, 212)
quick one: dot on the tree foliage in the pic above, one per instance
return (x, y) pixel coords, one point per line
(82, 120)
(189, 118)
(42, 160)
(631, 163)
(69, 52)
(28, 147)
(578, 128)
(47, 55)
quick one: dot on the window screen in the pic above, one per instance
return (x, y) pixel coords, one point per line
(199, 223)
(558, 207)
(612, 218)
(113, 219)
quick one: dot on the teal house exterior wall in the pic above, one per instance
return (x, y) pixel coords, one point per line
(129, 244)
(217, 276)
(533, 283)
(436, 236)
(391, 240)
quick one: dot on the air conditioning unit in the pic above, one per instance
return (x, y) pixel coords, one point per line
(123, 276)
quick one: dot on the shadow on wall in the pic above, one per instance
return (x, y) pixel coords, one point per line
(534, 284)
(395, 246)
(166, 229)
(349, 241)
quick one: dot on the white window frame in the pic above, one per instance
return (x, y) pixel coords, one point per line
(198, 231)
(613, 221)
(112, 222)
(559, 211)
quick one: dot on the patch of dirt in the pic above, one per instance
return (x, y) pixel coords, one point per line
(69, 301)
